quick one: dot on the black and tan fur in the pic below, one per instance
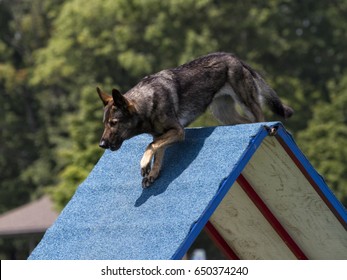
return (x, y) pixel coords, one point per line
(164, 103)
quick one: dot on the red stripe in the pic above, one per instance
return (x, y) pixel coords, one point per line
(220, 242)
(271, 218)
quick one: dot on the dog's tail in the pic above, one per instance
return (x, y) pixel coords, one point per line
(270, 97)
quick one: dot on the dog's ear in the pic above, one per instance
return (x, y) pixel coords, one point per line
(105, 98)
(125, 105)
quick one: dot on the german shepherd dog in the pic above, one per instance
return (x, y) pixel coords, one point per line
(164, 103)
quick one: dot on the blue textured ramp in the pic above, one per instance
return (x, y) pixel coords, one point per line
(112, 217)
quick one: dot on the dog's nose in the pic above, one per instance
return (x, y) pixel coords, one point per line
(103, 144)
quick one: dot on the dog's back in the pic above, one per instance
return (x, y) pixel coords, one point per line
(218, 80)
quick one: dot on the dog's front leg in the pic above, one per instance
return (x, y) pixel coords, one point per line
(150, 174)
(146, 161)
(157, 149)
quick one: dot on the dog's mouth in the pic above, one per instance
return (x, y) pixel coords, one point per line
(115, 147)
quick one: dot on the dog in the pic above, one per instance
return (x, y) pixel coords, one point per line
(164, 103)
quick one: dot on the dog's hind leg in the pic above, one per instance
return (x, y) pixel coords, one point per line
(246, 92)
(157, 150)
(224, 109)
(255, 110)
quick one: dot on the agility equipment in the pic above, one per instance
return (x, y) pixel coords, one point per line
(249, 186)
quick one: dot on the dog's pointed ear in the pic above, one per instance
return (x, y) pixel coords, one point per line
(119, 100)
(105, 98)
(122, 102)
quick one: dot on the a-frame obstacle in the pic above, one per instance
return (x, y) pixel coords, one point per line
(249, 185)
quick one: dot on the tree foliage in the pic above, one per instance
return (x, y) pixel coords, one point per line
(325, 139)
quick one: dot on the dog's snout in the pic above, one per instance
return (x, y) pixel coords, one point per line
(103, 144)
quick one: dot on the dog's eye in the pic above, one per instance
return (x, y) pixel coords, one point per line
(113, 121)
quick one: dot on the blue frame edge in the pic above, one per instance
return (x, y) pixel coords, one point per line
(222, 191)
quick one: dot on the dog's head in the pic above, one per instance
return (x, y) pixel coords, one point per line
(119, 119)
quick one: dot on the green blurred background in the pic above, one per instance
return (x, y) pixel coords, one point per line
(53, 53)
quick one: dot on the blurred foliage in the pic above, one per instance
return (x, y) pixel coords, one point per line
(325, 139)
(54, 53)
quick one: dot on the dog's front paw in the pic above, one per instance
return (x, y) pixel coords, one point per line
(150, 178)
(146, 163)
(145, 170)
(147, 181)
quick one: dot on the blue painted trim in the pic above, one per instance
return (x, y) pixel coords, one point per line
(225, 187)
(328, 194)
